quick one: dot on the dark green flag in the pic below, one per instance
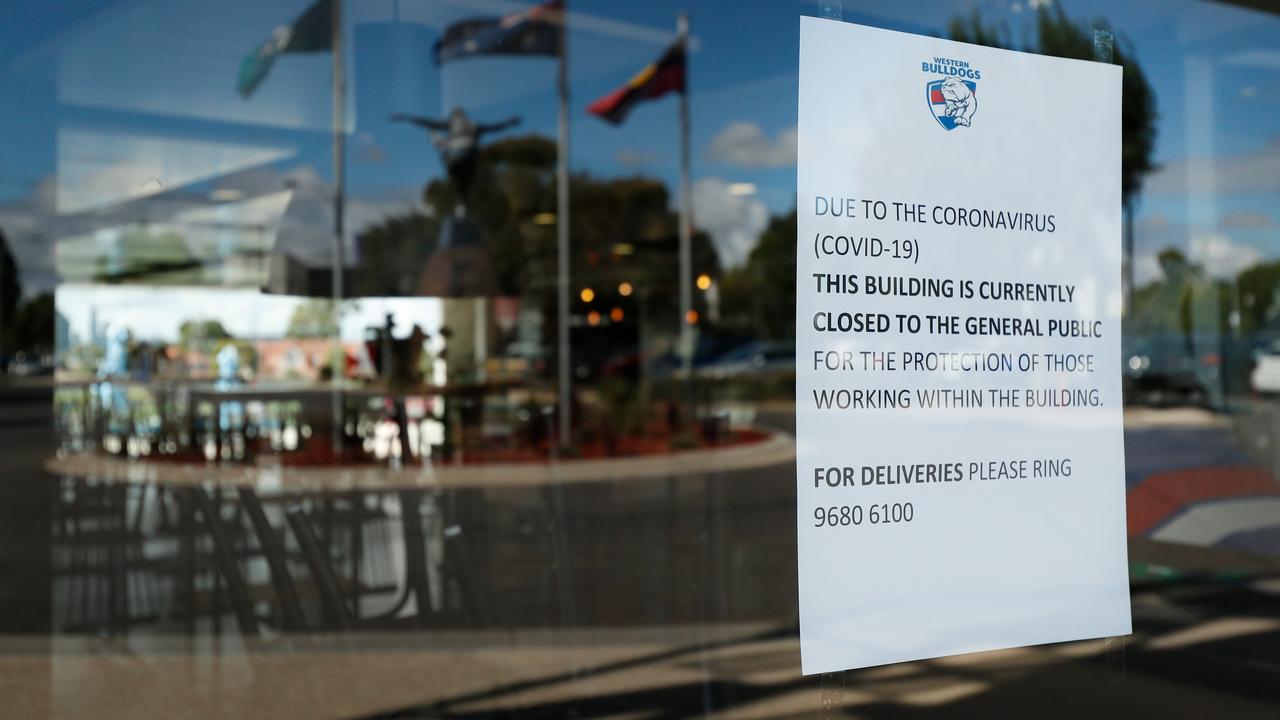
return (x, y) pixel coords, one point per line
(311, 32)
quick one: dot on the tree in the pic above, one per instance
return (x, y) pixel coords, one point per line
(623, 230)
(32, 327)
(1059, 36)
(201, 335)
(514, 185)
(10, 291)
(314, 318)
(1259, 293)
(391, 254)
(141, 255)
(513, 201)
(247, 351)
(760, 297)
(1164, 306)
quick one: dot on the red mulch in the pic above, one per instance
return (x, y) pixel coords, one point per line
(318, 452)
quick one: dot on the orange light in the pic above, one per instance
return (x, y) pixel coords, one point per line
(593, 318)
(704, 281)
(616, 314)
(587, 295)
(624, 289)
(691, 317)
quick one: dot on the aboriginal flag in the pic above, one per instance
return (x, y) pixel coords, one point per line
(666, 74)
(535, 31)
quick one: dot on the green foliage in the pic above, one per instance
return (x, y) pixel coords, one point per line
(83, 357)
(1165, 305)
(1259, 296)
(201, 335)
(314, 318)
(514, 183)
(625, 406)
(32, 326)
(390, 251)
(622, 230)
(625, 231)
(10, 288)
(759, 298)
(1186, 301)
(161, 258)
(973, 29)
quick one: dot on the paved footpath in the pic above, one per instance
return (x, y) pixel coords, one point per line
(1190, 483)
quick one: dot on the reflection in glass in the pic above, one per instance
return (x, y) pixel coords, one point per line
(542, 500)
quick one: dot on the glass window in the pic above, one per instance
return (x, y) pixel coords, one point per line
(437, 358)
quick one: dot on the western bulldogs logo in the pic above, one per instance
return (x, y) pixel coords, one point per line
(953, 101)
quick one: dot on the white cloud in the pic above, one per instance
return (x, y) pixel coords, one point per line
(28, 225)
(636, 160)
(1248, 220)
(733, 221)
(1224, 258)
(1256, 58)
(744, 144)
(1254, 171)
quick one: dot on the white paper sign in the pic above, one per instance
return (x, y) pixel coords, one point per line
(959, 430)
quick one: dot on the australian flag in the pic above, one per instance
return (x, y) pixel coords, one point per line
(535, 31)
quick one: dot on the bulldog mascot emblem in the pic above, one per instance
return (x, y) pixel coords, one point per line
(953, 101)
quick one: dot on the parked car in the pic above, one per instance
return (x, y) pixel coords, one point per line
(26, 364)
(1265, 377)
(1173, 368)
(761, 357)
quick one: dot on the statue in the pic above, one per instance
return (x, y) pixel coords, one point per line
(228, 362)
(460, 265)
(115, 361)
(230, 412)
(113, 401)
(458, 140)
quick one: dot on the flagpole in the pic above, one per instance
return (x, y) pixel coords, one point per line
(339, 96)
(562, 235)
(686, 223)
